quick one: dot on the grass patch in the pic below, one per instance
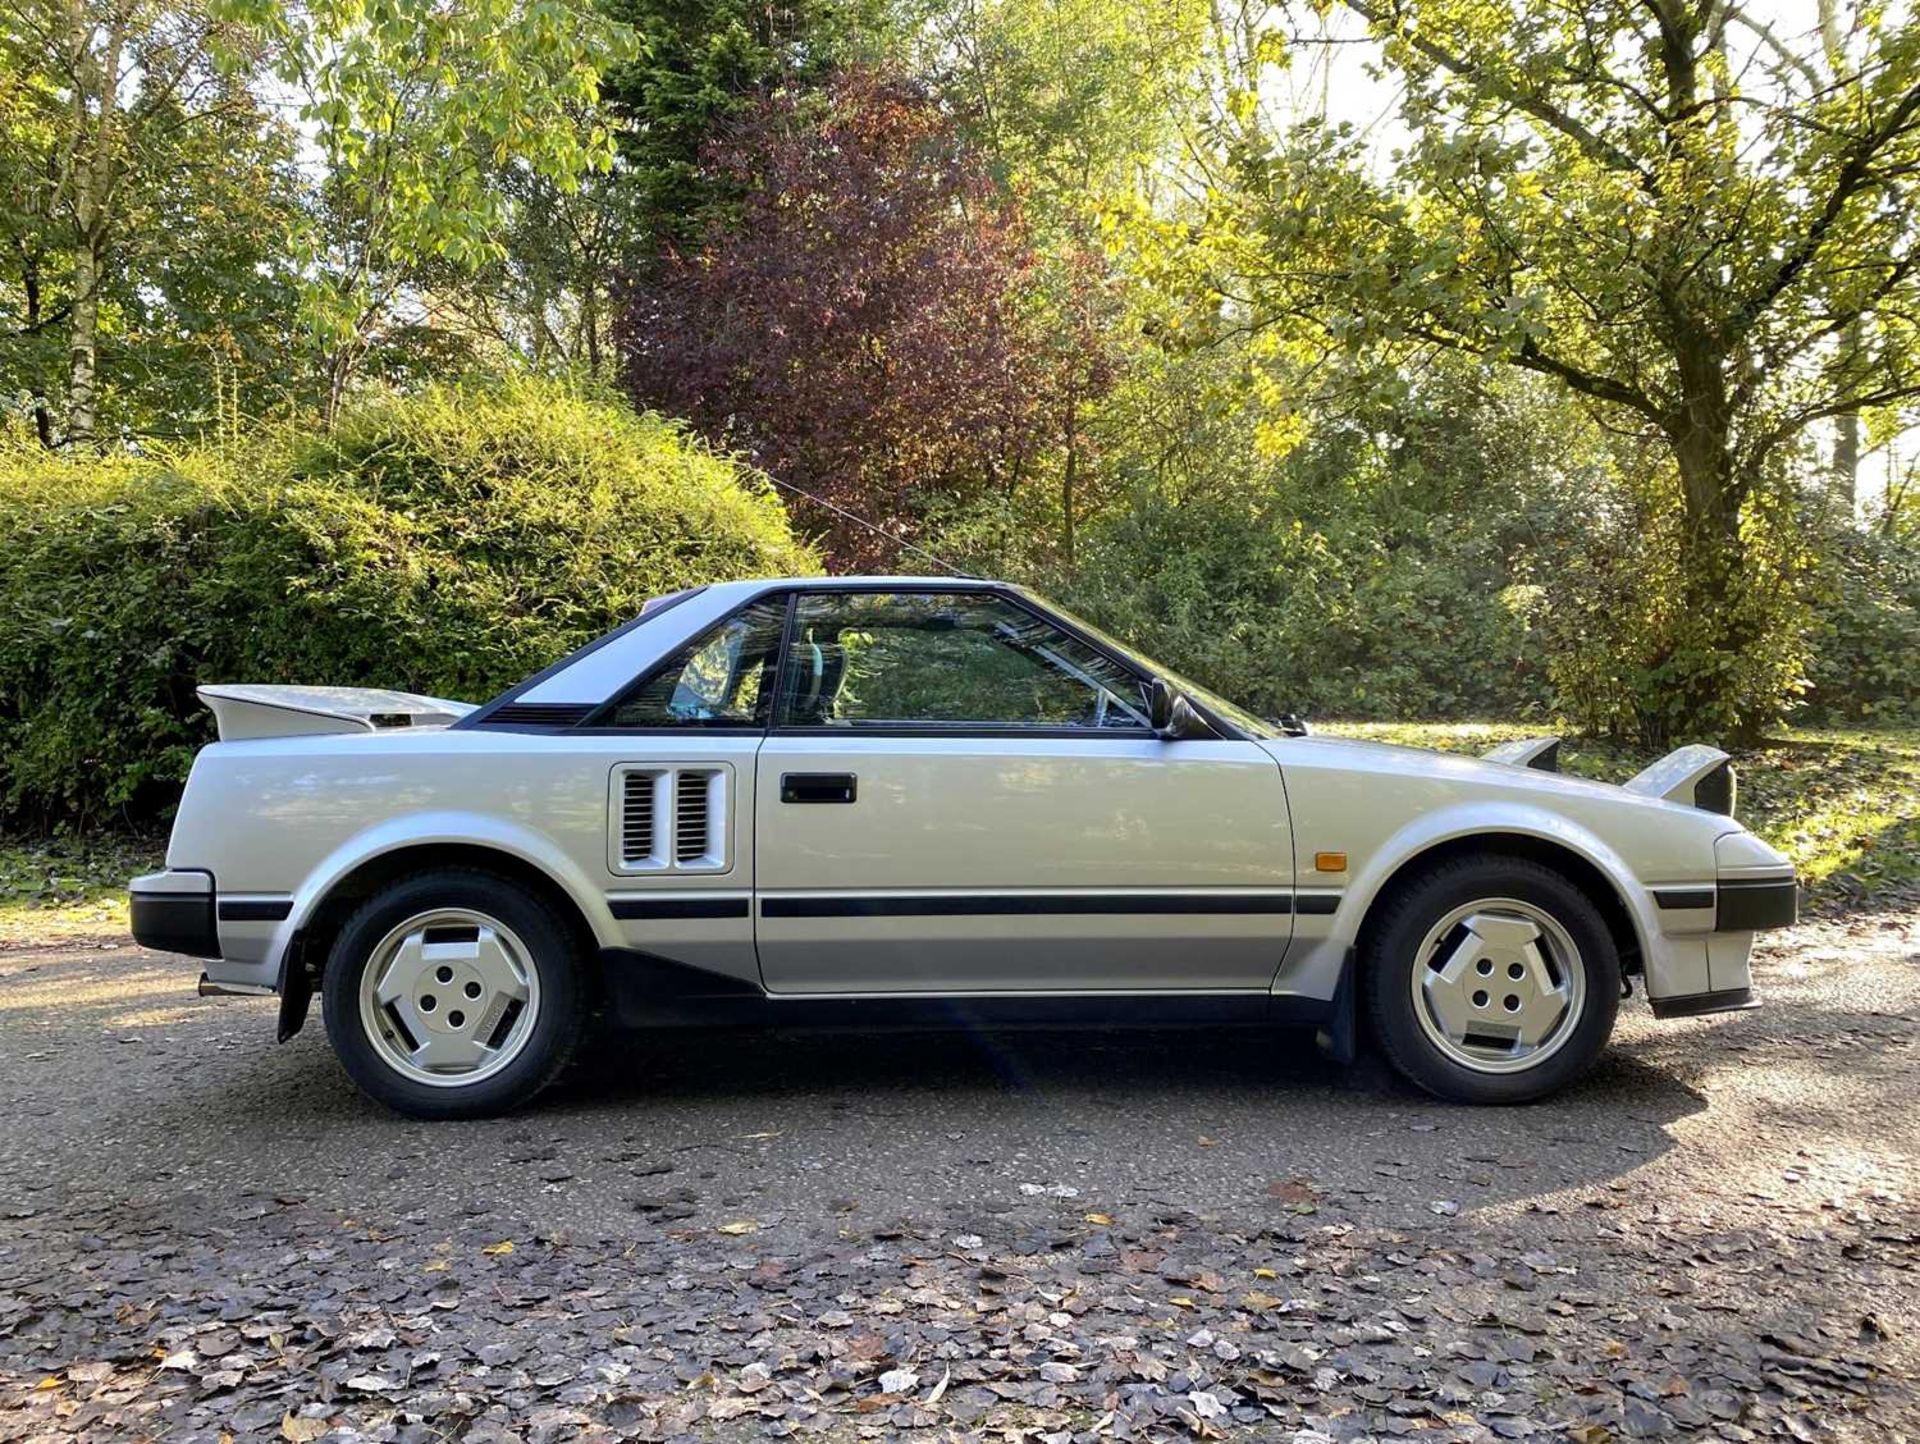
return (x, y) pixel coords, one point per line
(1844, 804)
(70, 886)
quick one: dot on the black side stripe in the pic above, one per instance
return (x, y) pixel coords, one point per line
(1027, 904)
(247, 910)
(680, 907)
(1667, 898)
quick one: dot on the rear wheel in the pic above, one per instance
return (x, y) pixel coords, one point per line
(453, 994)
(1491, 980)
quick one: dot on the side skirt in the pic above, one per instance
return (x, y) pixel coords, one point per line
(645, 991)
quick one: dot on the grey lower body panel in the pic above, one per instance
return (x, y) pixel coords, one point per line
(1693, 1005)
(648, 991)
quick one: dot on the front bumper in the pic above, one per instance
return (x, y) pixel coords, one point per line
(173, 912)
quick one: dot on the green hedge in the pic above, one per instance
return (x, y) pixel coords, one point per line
(449, 543)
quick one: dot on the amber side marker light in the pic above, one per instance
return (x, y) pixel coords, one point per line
(1329, 862)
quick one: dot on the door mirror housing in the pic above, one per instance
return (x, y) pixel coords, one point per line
(1171, 715)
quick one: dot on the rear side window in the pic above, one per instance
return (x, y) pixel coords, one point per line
(723, 678)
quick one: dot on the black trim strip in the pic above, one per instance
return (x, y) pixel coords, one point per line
(1668, 899)
(1026, 904)
(540, 714)
(630, 908)
(1751, 906)
(251, 910)
(1311, 904)
(1731, 1000)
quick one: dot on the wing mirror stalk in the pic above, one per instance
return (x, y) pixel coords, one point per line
(1171, 715)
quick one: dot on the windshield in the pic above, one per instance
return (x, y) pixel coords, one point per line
(1227, 711)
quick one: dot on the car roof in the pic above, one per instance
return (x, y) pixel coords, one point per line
(597, 671)
(864, 582)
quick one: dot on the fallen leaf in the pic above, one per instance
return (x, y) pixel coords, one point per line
(740, 1226)
(1102, 1219)
(302, 1431)
(505, 1246)
(1265, 1274)
(1181, 1301)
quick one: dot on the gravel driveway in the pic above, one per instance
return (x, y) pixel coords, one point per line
(1014, 1236)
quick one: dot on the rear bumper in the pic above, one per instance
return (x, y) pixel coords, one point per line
(173, 912)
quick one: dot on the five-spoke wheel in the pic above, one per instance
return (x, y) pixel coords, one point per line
(1500, 985)
(452, 994)
(1491, 979)
(450, 997)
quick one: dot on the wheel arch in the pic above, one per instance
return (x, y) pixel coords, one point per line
(351, 880)
(1584, 871)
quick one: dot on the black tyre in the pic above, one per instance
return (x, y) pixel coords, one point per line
(1491, 979)
(453, 994)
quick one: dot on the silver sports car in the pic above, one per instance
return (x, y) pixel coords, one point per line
(928, 801)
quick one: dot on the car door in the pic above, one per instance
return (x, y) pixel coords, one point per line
(959, 794)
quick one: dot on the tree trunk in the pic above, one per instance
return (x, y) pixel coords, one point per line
(30, 286)
(1846, 459)
(339, 372)
(1069, 476)
(83, 347)
(1846, 442)
(590, 323)
(1699, 701)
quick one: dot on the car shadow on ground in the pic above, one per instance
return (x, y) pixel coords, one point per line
(928, 1119)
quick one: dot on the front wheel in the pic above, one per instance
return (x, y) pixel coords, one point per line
(1491, 980)
(453, 994)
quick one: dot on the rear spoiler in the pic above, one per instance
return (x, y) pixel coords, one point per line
(242, 710)
(1542, 754)
(1699, 775)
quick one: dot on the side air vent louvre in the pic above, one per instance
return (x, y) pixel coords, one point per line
(669, 819)
(540, 714)
(639, 817)
(692, 813)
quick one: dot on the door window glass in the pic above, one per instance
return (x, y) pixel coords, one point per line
(947, 659)
(723, 678)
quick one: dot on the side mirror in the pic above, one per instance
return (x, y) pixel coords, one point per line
(1171, 715)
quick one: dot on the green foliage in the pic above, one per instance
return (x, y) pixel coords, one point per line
(698, 68)
(1624, 634)
(450, 544)
(1390, 565)
(1864, 647)
(1720, 256)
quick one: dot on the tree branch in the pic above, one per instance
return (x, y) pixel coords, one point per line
(1595, 146)
(1854, 177)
